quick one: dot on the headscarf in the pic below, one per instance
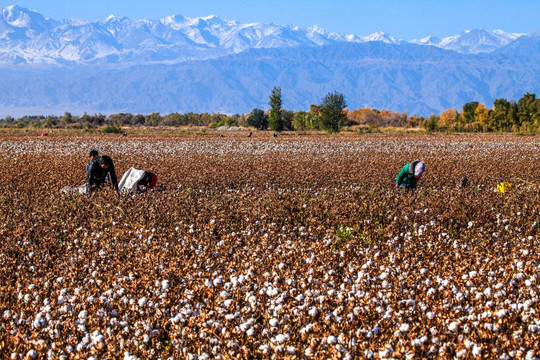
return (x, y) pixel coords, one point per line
(419, 169)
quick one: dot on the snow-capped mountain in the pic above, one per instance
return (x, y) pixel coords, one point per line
(28, 37)
(472, 41)
(140, 66)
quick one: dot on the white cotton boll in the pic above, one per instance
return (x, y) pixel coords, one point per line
(309, 351)
(143, 301)
(404, 328)
(331, 340)
(83, 315)
(416, 342)
(534, 328)
(461, 353)
(453, 326)
(250, 332)
(476, 350)
(369, 354)
(32, 354)
(97, 337)
(313, 312)
(224, 294)
(280, 338)
(165, 285)
(383, 354)
(274, 322)
(39, 321)
(291, 350)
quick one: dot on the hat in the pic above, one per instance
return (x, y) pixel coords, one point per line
(419, 169)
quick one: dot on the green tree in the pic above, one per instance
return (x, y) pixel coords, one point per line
(67, 119)
(511, 116)
(258, 119)
(332, 112)
(153, 119)
(50, 122)
(120, 119)
(275, 120)
(300, 120)
(432, 123)
(469, 112)
(174, 119)
(288, 117)
(526, 109)
(500, 111)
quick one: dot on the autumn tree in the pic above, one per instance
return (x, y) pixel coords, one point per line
(483, 118)
(448, 118)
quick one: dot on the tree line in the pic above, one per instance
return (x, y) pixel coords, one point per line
(331, 115)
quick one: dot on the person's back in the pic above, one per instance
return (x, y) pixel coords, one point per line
(410, 174)
(93, 154)
(98, 169)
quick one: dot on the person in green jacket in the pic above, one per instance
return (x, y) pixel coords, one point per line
(409, 175)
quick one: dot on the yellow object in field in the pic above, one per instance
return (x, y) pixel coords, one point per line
(503, 187)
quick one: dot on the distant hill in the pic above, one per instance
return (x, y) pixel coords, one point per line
(208, 64)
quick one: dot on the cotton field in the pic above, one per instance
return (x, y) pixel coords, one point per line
(293, 247)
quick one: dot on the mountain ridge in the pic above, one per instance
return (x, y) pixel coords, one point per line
(114, 66)
(373, 74)
(28, 37)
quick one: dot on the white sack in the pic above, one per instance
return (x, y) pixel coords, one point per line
(128, 183)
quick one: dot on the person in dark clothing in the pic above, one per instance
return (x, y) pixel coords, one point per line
(98, 169)
(92, 155)
(147, 182)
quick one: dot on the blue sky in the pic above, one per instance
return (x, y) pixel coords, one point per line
(403, 19)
